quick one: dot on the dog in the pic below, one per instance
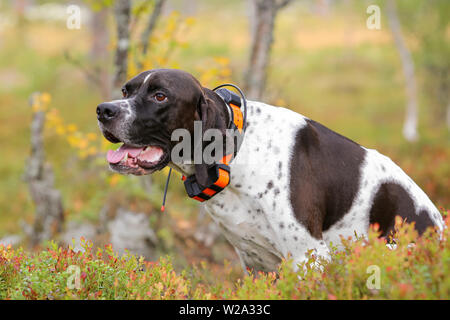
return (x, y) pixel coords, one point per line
(310, 187)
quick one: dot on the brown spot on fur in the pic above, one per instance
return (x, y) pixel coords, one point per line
(325, 170)
(392, 200)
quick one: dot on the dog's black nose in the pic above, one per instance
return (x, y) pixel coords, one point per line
(107, 111)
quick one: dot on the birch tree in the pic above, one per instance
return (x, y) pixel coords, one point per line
(122, 11)
(262, 21)
(49, 212)
(411, 116)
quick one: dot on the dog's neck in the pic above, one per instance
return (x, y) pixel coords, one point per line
(223, 117)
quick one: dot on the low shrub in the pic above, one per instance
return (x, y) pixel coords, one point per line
(417, 268)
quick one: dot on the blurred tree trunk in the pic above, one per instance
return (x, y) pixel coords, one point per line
(262, 22)
(122, 13)
(411, 118)
(99, 50)
(39, 175)
(322, 7)
(145, 38)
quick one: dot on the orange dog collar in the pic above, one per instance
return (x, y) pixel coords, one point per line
(219, 174)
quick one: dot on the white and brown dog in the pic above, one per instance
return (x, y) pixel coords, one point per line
(308, 186)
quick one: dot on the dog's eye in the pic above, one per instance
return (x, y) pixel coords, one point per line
(160, 97)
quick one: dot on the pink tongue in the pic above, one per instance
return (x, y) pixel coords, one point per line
(151, 154)
(117, 156)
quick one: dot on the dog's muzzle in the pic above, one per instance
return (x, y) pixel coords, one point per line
(107, 111)
(129, 158)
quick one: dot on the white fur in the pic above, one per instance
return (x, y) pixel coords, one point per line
(255, 212)
(122, 127)
(146, 77)
(256, 219)
(356, 220)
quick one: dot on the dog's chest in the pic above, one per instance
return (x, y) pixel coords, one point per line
(252, 208)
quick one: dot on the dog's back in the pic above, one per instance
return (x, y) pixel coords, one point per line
(297, 185)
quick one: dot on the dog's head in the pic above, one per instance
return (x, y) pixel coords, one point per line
(154, 104)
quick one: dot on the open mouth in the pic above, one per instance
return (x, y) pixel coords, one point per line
(137, 160)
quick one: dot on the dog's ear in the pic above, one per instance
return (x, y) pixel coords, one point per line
(208, 111)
